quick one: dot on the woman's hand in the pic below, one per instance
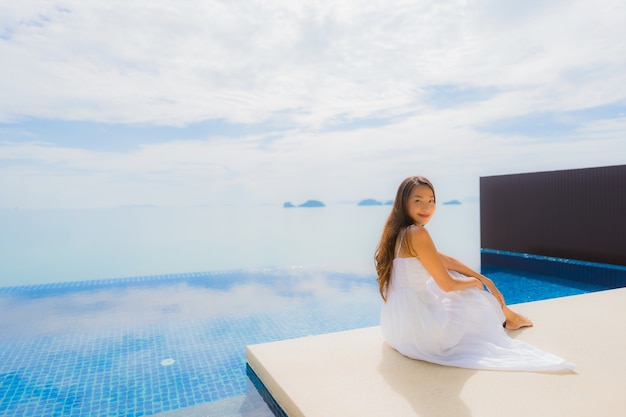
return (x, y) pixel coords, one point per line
(491, 287)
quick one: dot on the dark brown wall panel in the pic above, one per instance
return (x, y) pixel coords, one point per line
(576, 214)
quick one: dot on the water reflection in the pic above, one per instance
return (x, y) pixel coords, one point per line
(91, 307)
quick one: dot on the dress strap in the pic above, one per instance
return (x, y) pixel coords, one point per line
(401, 238)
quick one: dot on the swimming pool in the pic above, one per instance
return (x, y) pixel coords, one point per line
(147, 345)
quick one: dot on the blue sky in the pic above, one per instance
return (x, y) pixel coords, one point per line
(114, 103)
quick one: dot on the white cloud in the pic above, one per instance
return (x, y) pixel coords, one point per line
(316, 71)
(333, 166)
(175, 63)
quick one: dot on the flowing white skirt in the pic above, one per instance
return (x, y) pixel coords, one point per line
(458, 328)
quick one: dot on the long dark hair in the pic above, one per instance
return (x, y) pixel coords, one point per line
(397, 220)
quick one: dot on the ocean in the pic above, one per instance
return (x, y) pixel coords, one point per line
(47, 246)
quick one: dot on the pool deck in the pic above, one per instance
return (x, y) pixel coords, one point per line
(354, 373)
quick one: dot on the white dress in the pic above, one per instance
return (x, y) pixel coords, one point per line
(457, 328)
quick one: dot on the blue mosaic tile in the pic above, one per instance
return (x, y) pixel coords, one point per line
(611, 276)
(117, 370)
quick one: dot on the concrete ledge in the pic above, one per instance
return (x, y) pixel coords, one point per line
(354, 373)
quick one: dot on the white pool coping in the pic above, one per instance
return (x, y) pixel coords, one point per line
(354, 373)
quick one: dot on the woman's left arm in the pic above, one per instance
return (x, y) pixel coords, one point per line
(455, 265)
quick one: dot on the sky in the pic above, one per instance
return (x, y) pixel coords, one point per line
(168, 103)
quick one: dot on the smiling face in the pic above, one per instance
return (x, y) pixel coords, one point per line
(420, 205)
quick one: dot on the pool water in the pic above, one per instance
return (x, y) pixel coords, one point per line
(525, 287)
(148, 345)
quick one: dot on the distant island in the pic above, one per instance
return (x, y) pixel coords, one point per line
(370, 202)
(452, 202)
(308, 203)
(373, 202)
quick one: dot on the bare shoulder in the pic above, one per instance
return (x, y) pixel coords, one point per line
(419, 235)
(418, 241)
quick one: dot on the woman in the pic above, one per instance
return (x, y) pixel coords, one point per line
(436, 308)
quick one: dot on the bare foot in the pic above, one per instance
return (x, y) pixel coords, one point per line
(515, 320)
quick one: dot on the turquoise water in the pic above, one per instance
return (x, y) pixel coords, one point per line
(521, 287)
(146, 345)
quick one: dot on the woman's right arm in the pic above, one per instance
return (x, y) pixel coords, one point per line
(453, 264)
(423, 245)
